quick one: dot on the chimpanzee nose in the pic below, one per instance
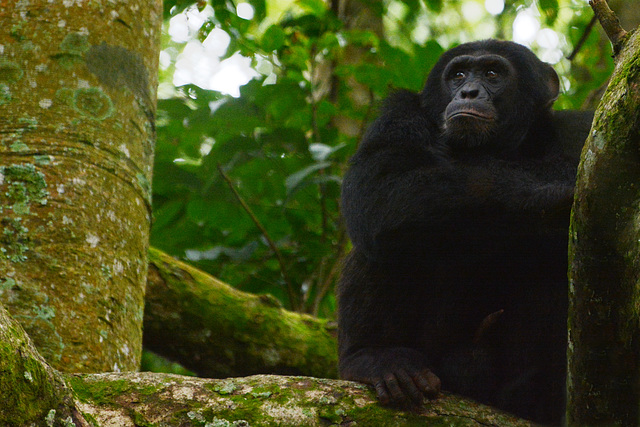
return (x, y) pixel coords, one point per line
(469, 92)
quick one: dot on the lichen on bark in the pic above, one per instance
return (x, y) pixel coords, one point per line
(75, 156)
(261, 400)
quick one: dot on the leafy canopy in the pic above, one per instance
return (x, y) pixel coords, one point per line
(284, 143)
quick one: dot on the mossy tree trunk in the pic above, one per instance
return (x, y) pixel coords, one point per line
(218, 331)
(32, 392)
(604, 315)
(77, 107)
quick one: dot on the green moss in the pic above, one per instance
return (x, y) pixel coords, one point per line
(93, 102)
(140, 420)
(32, 393)
(72, 50)
(91, 419)
(5, 94)
(98, 392)
(28, 122)
(225, 388)
(67, 60)
(145, 184)
(25, 184)
(65, 95)
(14, 240)
(75, 43)
(150, 390)
(42, 159)
(16, 31)
(10, 72)
(19, 146)
(331, 415)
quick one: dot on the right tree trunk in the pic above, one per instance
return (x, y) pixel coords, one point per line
(604, 314)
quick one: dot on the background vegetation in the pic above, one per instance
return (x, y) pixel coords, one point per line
(246, 184)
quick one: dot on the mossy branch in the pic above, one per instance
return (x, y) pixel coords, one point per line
(265, 400)
(610, 23)
(218, 331)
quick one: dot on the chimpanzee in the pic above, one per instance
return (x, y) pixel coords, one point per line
(457, 203)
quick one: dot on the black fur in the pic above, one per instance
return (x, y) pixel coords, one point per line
(459, 267)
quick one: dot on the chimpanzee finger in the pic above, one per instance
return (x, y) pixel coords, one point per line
(409, 386)
(428, 382)
(381, 391)
(391, 381)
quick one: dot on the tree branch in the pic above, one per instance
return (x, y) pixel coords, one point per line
(264, 400)
(325, 285)
(224, 332)
(293, 301)
(583, 38)
(610, 23)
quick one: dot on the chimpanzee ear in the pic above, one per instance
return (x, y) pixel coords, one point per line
(552, 82)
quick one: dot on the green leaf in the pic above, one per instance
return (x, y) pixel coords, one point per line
(199, 210)
(434, 5)
(362, 38)
(273, 38)
(295, 179)
(173, 7)
(549, 8)
(316, 7)
(321, 152)
(165, 215)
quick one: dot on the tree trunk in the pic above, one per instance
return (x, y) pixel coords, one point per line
(77, 107)
(218, 331)
(32, 392)
(604, 315)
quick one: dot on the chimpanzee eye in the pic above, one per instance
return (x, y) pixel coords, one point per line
(458, 75)
(491, 74)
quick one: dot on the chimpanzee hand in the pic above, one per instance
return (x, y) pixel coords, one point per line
(399, 375)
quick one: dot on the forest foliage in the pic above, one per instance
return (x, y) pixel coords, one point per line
(247, 187)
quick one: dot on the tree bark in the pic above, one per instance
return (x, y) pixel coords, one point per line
(77, 107)
(32, 391)
(165, 399)
(604, 314)
(627, 11)
(218, 331)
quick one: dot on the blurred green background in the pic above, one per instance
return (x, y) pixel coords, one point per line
(263, 102)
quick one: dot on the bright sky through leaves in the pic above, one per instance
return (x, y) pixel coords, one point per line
(200, 64)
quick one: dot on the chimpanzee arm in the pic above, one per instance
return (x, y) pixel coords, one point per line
(401, 186)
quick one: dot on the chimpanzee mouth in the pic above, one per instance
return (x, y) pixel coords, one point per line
(470, 115)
